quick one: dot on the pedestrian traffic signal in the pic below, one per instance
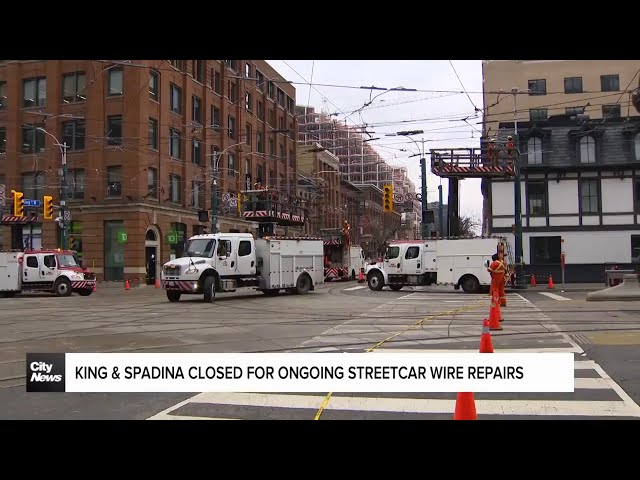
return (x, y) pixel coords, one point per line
(18, 203)
(48, 207)
(387, 199)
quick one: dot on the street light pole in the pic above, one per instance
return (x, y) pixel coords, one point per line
(214, 192)
(517, 186)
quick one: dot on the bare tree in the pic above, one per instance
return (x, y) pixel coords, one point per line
(469, 226)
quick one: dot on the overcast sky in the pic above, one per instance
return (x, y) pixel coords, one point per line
(439, 111)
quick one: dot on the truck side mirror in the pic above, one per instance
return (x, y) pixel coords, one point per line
(487, 263)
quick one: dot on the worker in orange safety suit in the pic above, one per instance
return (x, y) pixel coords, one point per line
(497, 269)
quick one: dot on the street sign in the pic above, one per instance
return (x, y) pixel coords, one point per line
(31, 203)
(67, 215)
(122, 236)
(225, 197)
(172, 237)
(2, 191)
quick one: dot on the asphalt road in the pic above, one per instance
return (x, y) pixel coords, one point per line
(339, 317)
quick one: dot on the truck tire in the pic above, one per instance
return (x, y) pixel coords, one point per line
(375, 281)
(209, 288)
(62, 287)
(173, 296)
(303, 285)
(470, 284)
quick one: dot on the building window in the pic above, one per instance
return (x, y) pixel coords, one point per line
(73, 134)
(3, 141)
(281, 151)
(272, 148)
(152, 183)
(247, 70)
(233, 92)
(198, 70)
(259, 142)
(574, 110)
(231, 163)
(637, 146)
(272, 117)
(232, 64)
(196, 110)
(32, 139)
(114, 181)
(260, 80)
(34, 92)
(291, 105)
(260, 110)
(247, 134)
(215, 82)
(175, 143)
(153, 133)
(231, 127)
(635, 248)
(114, 130)
(538, 114)
(75, 182)
(260, 174)
(573, 85)
(73, 85)
(611, 111)
(589, 195)
(113, 250)
(3, 95)
(610, 83)
(175, 192)
(196, 152)
(247, 167)
(537, 198)
(175, 101)
(115, 81)
(215, 119)
(587, 150)
(33, 184)
(537, 87)
(179, 64)
(545, 250)
(271, 90)
(292, 159)
(153, 85)
(248, 101)
(534, 151)
(198, 193)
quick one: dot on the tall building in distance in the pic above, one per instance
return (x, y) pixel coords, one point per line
(140, 138)
(578, 138)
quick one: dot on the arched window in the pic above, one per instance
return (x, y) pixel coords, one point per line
(534, 151)
(637, 145)
(587, 150)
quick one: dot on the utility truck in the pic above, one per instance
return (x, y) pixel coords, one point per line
(342, 261)
(459, 262)
(56, 271)
(226, 262)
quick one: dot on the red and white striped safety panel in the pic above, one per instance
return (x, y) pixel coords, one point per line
(332, 242)
(13, 218)
(83, 284)
(180, 285)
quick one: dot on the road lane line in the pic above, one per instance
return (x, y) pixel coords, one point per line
(554, 296)
(357, 287)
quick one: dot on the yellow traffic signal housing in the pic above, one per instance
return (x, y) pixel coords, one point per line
(48, 207)
(387, 199)
(18, 203)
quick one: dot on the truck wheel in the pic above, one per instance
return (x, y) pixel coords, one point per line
(303, 285)
(470, 284)
(376, 281)
(173, 296)
(209, 289)
(395, 288)
(84, 292)
(62, 287)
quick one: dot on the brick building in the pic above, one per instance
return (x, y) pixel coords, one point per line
(141, 135)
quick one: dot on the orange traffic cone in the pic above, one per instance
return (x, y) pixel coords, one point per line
(550, 286)
(94, 287)
(495, 316)
(533, 280)
(486, 346)
(360, 277)
(465, 407)
(157, 283)
(126, 285)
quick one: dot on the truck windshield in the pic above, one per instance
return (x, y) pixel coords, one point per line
(201, 247)
(392, 252)
(67, 261)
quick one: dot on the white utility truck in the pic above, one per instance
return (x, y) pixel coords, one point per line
(225, 262)
(460, 262)
(357, 262)
(55, 271)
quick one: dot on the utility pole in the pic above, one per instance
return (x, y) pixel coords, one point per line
(64, 243)
(519, 281)
(441, 212)
(423, 168)
(214, 192)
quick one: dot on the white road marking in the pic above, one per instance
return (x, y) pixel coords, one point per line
(357, 287)
(554, 296)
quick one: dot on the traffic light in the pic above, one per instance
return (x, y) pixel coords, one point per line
(18, 203)
(387, 201)
(48, 207)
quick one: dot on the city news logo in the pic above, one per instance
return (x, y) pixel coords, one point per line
(45, 372)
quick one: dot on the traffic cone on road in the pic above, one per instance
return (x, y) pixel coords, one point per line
(495, 317)
(533, 280)
(94, 287)
(550, 286)
(465, 407)
(486, 346)
(157, 283)
(360, 277)
(126, 285)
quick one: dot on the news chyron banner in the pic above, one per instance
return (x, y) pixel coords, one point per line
(300, 372)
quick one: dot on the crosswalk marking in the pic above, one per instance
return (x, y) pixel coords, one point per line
(554, 296)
